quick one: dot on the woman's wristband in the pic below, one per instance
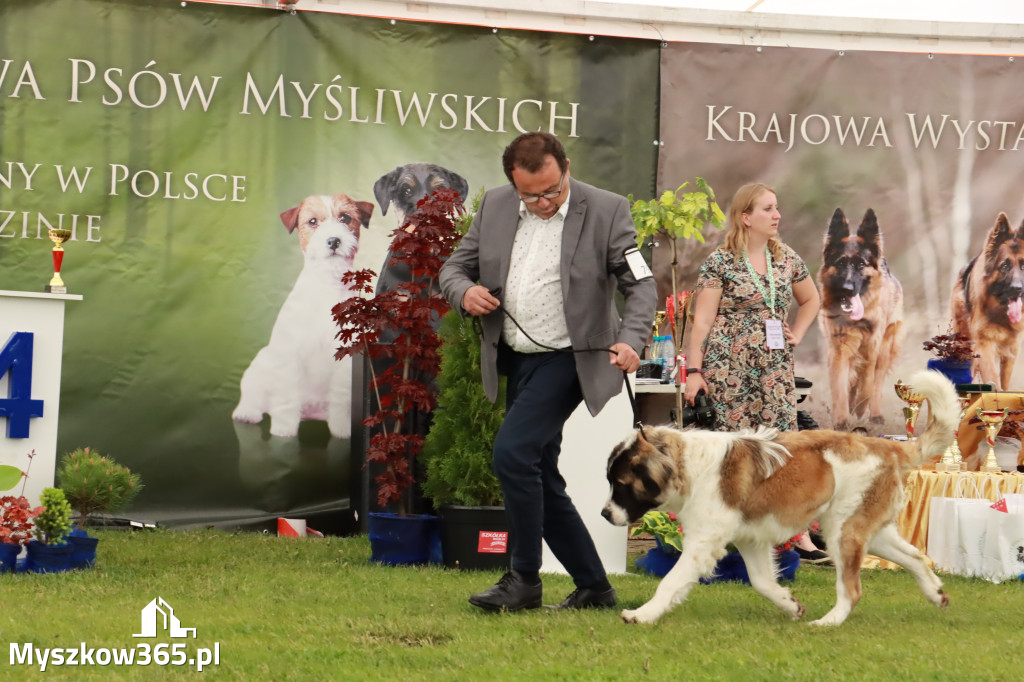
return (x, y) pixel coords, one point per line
(694, 370)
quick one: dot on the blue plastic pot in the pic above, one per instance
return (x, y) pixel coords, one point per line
(658, 562)
(9, 557)
(83, 549)
(399, 539)
(48, 558)
(954, 370)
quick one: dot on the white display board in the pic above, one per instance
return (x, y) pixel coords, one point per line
(586, 443)
(41, 315)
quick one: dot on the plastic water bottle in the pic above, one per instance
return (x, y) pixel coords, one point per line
(664, 353)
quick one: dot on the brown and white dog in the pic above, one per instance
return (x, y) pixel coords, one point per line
(295, 376)
(757, 489)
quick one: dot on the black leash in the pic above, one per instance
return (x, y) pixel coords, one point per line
(625, 377)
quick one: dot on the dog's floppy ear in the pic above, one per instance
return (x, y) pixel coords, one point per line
(456, 182)
(365, 211)
(290, 218)
(383, 187)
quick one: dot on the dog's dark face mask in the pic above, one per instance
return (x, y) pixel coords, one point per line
(634, 487)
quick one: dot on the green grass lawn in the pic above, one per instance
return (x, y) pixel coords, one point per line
(288, 609)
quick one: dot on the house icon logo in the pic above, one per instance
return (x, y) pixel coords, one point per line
(158, 615)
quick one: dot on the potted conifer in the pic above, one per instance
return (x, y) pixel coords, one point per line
(93, 484)
(459, 474)
(50, 552)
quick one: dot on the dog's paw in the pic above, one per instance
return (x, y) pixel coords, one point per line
(244, 416)
(943, 602)
(799, 613)
(640, 615)
(288, 430)
(830, 619)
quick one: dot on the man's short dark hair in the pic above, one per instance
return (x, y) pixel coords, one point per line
(529, 150)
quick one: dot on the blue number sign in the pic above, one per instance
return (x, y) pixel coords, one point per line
(18, 407)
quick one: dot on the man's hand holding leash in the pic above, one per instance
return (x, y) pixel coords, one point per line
(478, 301)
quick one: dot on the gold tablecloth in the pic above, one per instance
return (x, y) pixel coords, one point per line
(922, 485)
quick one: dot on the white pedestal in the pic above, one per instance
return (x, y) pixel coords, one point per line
(42, 315)
(586, 443)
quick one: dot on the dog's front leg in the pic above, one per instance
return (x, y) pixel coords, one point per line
(339, 406)
(988, 354)
(1006, 362)
(762, 569)
(692, 564)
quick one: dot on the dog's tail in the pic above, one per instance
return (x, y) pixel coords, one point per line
(943, 414)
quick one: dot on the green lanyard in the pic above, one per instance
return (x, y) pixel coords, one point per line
(769, 298)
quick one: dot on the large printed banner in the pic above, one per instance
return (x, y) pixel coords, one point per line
(173, 139)
(893, 172)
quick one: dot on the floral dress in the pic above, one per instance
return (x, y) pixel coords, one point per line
(750, 385)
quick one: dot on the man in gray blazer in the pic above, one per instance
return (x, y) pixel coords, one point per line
(551, 251)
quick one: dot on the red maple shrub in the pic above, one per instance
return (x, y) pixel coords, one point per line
(407, 314)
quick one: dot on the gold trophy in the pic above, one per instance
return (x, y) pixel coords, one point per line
(952, 459)
(659, 318)
(58, 237)
(913, 401)
(993, 421)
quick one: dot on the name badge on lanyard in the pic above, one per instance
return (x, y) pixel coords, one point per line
(773, 334)
(774, 337)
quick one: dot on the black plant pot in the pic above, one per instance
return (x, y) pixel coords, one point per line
(474, 538)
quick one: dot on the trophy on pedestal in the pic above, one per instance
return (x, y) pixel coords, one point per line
(913, 407)
(993, 421)
(952, 459)
(58, 237)
(659, 317)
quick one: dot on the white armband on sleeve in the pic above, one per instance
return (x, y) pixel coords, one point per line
(637, 264)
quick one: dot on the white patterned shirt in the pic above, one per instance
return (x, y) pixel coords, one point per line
(533, 289)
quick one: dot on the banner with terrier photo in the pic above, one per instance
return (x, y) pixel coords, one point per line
(895, 179)
(194, 150)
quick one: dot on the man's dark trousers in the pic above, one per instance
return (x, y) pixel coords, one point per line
(543, 391)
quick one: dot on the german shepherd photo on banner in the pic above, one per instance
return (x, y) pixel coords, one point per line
(986, 303)
(861, 317)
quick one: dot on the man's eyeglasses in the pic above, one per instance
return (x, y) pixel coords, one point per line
(534, 198)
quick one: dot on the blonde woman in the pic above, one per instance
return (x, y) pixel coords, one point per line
(741, 345)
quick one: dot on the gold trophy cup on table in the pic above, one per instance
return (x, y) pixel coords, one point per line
(913, 407)
(952, 459)
(993, 421)
(58, 237)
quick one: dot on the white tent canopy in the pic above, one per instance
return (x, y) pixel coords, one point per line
(980, 27)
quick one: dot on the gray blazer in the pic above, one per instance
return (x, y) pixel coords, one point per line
(598, 231)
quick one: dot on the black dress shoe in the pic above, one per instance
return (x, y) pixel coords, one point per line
(511, 593)
(815, 557)
(586, 598)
